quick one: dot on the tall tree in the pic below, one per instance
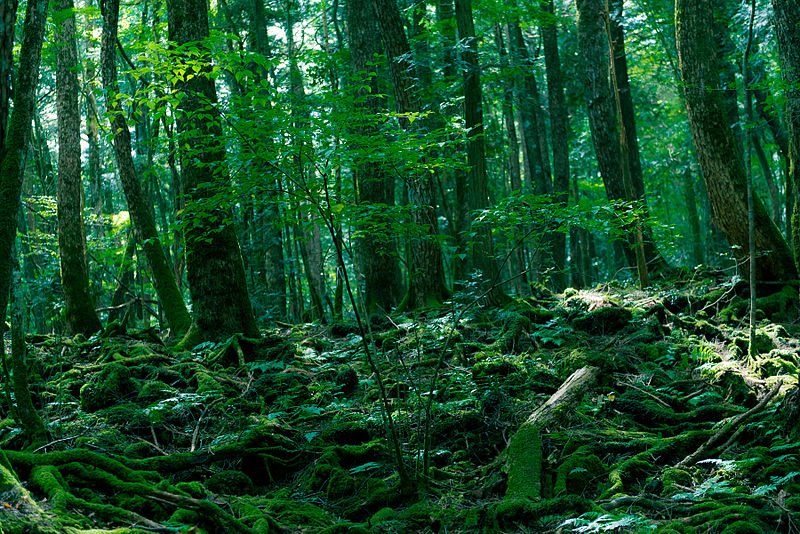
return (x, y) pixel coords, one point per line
(374, 182)
(214, 266)
(717, 151)
(162, 276)
(79, 304)
(559, 128)
(482, 252)
(8, 19)
(600, 100)
(16, 142)
(787, 30)
(426, 283)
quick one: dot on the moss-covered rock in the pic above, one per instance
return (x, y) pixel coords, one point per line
(578, 474)
(603, 321)
(230, 483)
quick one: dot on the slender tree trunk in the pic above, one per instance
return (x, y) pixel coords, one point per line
(720, 160)
(690, 199)
(163, 279)
(79, 314)
(482, 253)
(217, 281)
(559, 127)
(518, 264)
(16, 147)
(772, 187)
(787, 31)
(426, 284)
(374, 183)
(8, 19)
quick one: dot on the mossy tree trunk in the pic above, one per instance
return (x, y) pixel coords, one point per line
(79, 304)
(19, 128)
(141, 214)
(375, 184)
(8, 19)
(720, 160)
(787, 31)
(214, 266)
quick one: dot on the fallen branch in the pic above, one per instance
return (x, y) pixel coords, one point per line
(732, 425)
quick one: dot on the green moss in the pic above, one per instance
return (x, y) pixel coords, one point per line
(524, 463)
(673, 477)
(230, 483)
(603, 321)
(742, 527)
(626, 473)
(110, 385)
(577, 473)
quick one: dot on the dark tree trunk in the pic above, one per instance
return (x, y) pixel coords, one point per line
(559, 129)
(694, 219)
(716, 147)
(19, 128)
(481, 256)
(653, 257)
(217, 282)
(600, 100)
(8, 19)
(787, 30)
(141, 214)
(426, 272)
(271, 232)
(374, 183)
(79, 304)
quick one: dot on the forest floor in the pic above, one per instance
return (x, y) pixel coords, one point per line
(676, 428)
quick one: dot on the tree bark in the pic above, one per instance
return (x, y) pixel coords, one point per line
(720, 160)
(559, 130)
(19, 128)
(8, 19)
(162, 276)
(214, 266)
(374, 183)
(426, 284)
(79, 304)
(595, 70)
(787, 31)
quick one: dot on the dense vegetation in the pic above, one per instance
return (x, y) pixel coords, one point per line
(381, 266)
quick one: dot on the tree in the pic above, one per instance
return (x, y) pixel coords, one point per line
(16, 145)
(163, 278)
(787, 15)
(374, 183)
(717, 150)
(426, 284)
(79, 304)
(214, 266)
(559, 128)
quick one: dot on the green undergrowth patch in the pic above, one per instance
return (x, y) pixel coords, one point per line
(289, 433)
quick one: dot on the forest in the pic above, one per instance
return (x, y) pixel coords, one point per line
(399, 266)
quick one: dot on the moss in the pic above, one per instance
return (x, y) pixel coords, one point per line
(577, 473)
(509, 514)
(779, 306)
(524, 463)
(742, 527)
(672, 479)
(484, 372)
(628, 471)
(295, 512)
(603, 321)
(154, 391)
(111, 384)
(230, 483)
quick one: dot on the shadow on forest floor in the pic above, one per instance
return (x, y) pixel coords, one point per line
(286, 434)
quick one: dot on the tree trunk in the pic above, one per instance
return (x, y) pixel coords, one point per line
(19, 128)
(595, 70)
(8, 19)
(559, 129)
(426, 285)
(217, 281)
(787, 31)
(481, 255)
(163, 278)
(374, 183)
(694, 219)
(518, 264)
(716, 148)
(79, 304)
